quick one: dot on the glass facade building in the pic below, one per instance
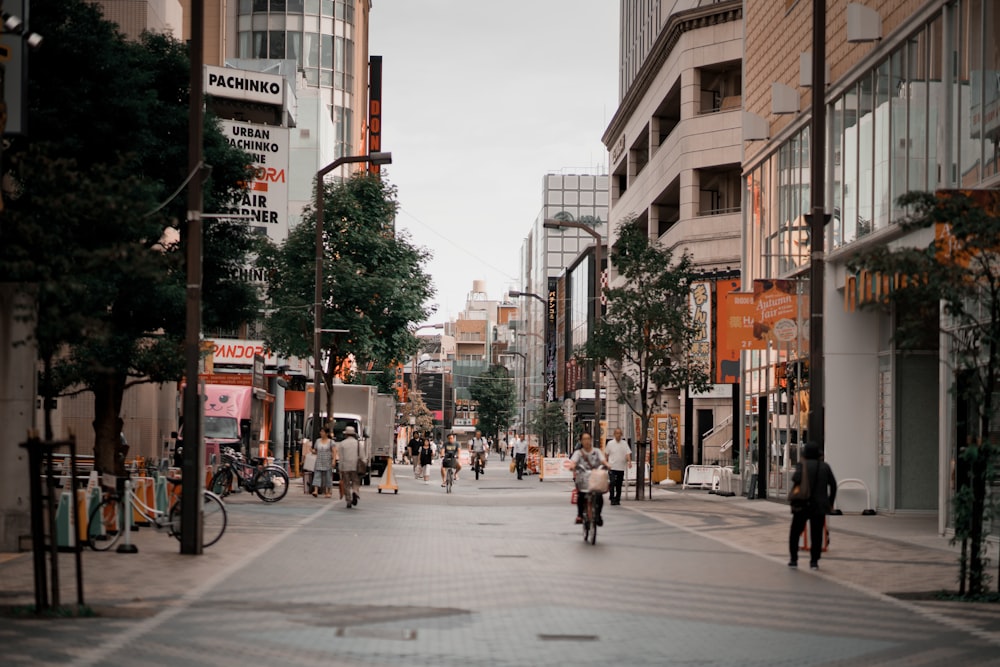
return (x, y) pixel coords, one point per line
(918, 111)
(320, 36)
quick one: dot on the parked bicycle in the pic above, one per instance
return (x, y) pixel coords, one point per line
(108, 521)
(269, 482)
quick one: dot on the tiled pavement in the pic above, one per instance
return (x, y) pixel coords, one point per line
(496, 574)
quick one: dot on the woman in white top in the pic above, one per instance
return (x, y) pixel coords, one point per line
(323, 472)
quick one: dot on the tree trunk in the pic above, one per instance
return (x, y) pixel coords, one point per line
(109, 455)
(640, 458)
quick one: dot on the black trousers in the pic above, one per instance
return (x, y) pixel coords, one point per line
(617, 478)
(816, 518)
(519, 464)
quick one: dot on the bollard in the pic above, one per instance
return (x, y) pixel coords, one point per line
(127, 547)
(96, 530)
(139, 489)
(81, 512)
(162, 505)
(64, 522)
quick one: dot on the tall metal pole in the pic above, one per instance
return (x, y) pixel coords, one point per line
(817, 224)
(193, 459)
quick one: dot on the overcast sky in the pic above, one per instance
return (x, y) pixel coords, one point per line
(480, 101)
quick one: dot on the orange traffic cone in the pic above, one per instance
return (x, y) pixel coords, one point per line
(388, 481)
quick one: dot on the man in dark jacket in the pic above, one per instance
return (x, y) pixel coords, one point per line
(823, 493)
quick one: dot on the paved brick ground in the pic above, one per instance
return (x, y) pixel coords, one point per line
(496, 574)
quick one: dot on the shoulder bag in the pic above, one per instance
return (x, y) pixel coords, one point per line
(801, 493)
(362, 464)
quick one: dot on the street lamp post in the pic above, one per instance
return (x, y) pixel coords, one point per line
(373, 158)
(598, 258)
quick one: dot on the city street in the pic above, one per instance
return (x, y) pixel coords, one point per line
(497, 574)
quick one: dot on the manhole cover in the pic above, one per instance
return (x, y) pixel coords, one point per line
(568, 638)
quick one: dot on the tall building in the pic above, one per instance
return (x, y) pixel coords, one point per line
(911, 104)
(675, 144)
(545, 255)
(134, 18)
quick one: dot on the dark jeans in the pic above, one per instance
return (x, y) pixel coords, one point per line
(816, 518)
(519, 464)
(617, 478)
(581, 503)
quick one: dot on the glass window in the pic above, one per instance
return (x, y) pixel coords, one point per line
(294, 6)
(311, 49)
(277, 5)
(276, 45)
(246, 45)
(326, 61)
(918, 99)
(260, 45)
(246, 6)
(327, 7)
(349, 56)
(349, 13)
(866, 157)
(312, 76)
(293, 46)
(338, 59)
(898, 144)
(836, 159)
(260, 5)
(340, 9)
(312, 6)
(882, 149)
(326, 78)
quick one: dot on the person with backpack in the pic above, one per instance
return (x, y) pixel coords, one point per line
(813, 492)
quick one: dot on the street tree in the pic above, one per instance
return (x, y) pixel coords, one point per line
(951, 286)
(645, 338)
(494, 391)
(374, 282)
(90, 226)
(416, 407)
(549, 424)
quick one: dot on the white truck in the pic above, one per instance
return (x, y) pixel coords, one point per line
(383, 433)
(372, 415)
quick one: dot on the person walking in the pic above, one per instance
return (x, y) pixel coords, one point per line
(822, 495)
(348, 454)
(323, 468)
(426, 456)
(413, 449)
(520, 449)
(619, 459)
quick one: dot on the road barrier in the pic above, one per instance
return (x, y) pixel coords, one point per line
(701, 477)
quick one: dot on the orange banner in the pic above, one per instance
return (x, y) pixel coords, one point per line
(770, 315)
(727, 346)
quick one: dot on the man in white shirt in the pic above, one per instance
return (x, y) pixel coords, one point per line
(478, 447)
(520, 449)
(619, 458)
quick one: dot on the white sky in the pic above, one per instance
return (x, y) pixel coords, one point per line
(481, 100)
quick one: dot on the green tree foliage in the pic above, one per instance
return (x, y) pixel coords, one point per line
(961, 271)
(374, 284)
(645, 338)
(494, 391)
(85, 230)
(549, 424)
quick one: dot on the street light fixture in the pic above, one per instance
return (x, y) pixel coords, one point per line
(372, 158)
(598, 258)
(516, 293)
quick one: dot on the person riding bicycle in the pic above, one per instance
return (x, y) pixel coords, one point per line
(585, 459)
(478, 446)
(449, 458)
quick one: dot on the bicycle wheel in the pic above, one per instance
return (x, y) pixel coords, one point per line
(450, 476)
(477, 467)
(271, 484)
(213, 519)
(222, 482)
(106, 524)
(592, 518)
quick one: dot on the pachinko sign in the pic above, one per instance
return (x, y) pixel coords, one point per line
(264, 202)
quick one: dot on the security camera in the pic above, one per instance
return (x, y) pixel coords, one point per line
(12, 23)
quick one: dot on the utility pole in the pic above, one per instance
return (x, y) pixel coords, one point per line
(193, 470)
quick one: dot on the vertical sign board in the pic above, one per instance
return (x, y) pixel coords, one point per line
(727, 351)
(701, 319)
(265, 199)
(374, 110)
(552, 310)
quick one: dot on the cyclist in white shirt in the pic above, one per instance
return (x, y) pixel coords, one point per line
(619, 458)
(478, 447)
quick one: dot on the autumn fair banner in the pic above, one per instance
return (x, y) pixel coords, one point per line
(774, 315)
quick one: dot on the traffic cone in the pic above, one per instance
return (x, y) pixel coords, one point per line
(388, 481)
(804, 538)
